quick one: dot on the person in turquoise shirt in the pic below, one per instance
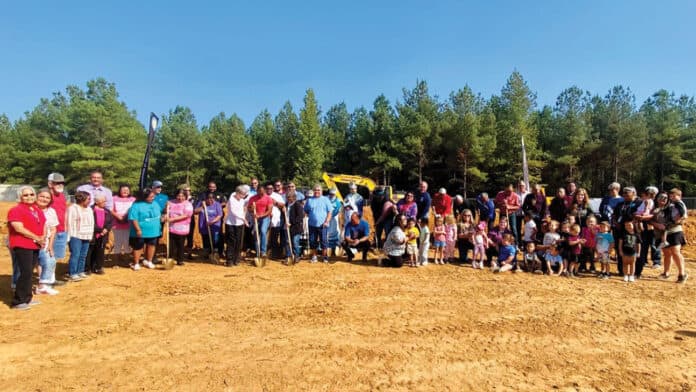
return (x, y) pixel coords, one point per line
(144, 217)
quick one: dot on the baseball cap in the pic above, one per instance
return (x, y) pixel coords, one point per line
(443, 190)
(352, 186)
(332, 191)
(629, 189)
(56, 177)
(157, 184)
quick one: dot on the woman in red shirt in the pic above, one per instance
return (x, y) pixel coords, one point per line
(27, 237)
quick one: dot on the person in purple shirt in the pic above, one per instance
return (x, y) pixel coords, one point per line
(495, 238)
(96, 187)
(407, 206)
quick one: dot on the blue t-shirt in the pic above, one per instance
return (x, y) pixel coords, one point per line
(162, 200)
(551, 259)
(317, 209)
(148, 217)
(603, 242)
(505, 252)
(362, 229)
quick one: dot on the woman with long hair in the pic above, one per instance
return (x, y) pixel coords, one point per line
(80, 223)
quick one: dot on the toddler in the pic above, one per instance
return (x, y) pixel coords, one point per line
(450, 237)
(412, 234)
(629, 247)
(480, 245)
(439, 237)
(604, 241)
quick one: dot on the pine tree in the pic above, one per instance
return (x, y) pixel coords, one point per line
(310, 146)
(178, 150)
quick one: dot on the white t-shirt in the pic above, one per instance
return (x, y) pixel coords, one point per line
(237, 210)
(529, 228)
(275, 212)
(551, 238)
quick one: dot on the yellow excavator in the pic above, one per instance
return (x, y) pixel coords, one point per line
(365, 185)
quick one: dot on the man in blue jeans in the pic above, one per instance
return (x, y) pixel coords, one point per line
(261, 206)
(318, 209)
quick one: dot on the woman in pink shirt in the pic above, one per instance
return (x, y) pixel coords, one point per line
(180, 213)
(121, 227)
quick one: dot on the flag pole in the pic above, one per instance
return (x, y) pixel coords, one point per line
(154, 121)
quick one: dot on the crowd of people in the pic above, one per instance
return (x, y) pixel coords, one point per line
(516, 230)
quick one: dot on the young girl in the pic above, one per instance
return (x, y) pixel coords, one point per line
(629, 247)
(412, 234)
(480, 245)
(575, 243)
(439, 236)
(424, 240)
(588, 233)
(530, 228)
(563, 246)
(603, 244)
(450, 238)
(645, 208)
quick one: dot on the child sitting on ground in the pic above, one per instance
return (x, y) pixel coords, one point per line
(507, 256)
(554, 261)
(439, 237)
(531, 260)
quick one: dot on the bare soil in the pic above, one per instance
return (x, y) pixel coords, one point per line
(350, 327)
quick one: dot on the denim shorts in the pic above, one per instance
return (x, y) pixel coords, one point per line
(60, 242)
(439, 244)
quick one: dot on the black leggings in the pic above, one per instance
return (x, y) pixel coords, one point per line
(176, 246)
(394, 261)
(25, 260)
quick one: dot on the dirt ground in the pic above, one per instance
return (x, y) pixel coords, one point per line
(350, 327)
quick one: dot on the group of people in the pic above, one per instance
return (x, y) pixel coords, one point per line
(565, 237)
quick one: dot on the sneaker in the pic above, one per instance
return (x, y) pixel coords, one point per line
(135, 267)
(74, 278)
(424, 263)
(148, 264)
(297, 259)
(326, 259)
(46, 290)
(34, 302)
(682, 278)
(99, 272)
(663, 276)
(656, 266)
(605, 276)
(625, 278)
(631, 278)
(21, 307)
(314, 259)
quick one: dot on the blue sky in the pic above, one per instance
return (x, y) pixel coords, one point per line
(242, 57)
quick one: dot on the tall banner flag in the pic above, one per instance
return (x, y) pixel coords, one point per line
(525, 167)
(154, 120)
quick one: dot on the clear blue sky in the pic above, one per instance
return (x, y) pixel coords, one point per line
(235, 56)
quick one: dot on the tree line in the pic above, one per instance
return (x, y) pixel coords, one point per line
(465, 142)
